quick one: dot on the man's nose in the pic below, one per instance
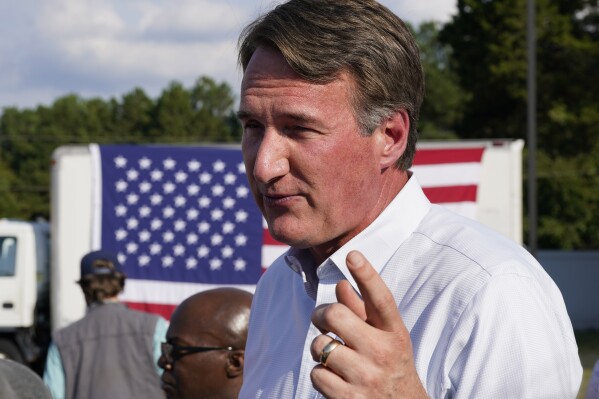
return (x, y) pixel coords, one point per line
(162, 363)
(272, 157)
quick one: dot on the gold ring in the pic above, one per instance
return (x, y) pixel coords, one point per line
(326, 351)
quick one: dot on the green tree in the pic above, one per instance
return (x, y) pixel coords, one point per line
(173, 115)
(488, 38)
(444, 99)
(134, 115)
(25, 152)
(8, 201)
(204, 113)
(568, 201)
(213, 103)
(28, 137)
(489, 56)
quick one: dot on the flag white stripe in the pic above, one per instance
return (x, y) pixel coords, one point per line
(167, 292)
(445, 175)
(172, 293)
(271, 252)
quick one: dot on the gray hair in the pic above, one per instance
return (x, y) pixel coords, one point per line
(320, 39)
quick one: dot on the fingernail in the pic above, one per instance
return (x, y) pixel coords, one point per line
(354, 259)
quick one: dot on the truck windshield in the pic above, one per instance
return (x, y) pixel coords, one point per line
(8, 250)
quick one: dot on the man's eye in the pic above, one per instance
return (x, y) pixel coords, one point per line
(294, 129)
(252, 125)
(300, 131)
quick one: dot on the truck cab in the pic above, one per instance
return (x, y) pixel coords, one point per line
(24, 289)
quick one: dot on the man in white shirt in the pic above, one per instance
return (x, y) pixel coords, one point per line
(446, 308)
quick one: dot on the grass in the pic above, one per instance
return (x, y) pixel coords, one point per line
(588, 350)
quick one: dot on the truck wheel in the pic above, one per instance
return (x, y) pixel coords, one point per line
(8, 350)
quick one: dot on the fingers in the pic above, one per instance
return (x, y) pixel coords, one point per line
(328, 383)
(380, 307)
(337, 361)
(346, 318)
(347, 296)
(322, 343)
(377, 356)
(340, 320)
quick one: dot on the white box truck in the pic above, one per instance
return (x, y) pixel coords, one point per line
(39, 262)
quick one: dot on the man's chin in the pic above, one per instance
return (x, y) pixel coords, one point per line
(170, 391)
(294, 241)
(283, 231)
(286, 237)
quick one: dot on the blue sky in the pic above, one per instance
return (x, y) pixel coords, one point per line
(105, 48)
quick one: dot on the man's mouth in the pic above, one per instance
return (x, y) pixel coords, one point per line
(279, 199)
(167, 386)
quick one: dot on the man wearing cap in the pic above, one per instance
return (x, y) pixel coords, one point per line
(112, 351)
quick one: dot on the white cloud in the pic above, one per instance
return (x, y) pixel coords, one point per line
(419, 11)
(191, 18)
(49, 48)
(71, 19)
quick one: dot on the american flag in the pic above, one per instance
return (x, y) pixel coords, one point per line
(183, 220)
(450, 176)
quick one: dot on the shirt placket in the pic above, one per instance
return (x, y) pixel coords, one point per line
(328, 276)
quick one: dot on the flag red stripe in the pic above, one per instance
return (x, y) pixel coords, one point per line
(447, 155)
(425, 156)
(157, 308)
(441, 195)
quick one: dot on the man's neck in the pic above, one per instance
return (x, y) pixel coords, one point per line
(112, 299)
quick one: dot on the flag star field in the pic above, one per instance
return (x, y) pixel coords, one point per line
(184, 215)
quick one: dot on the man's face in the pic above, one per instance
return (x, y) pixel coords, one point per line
(195, 375)
(315, 178)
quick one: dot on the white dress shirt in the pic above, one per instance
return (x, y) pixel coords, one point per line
(485, 319)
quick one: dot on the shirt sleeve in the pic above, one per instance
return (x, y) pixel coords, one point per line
(54, 373)
(511, 343)
(159, 337)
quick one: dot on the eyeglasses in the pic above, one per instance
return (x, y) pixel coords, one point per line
(172, 352)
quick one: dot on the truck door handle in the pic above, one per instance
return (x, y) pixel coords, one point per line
(7, 305)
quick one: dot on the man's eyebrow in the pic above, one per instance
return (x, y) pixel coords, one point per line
(243, 114)
(178, 341)
(299, 117)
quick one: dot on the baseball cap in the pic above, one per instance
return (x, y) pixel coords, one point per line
(100, 262)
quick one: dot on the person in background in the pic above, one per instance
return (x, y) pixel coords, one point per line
(203, 355)
(593, 387)
(382, 294)
(20, 382)
(112, 351)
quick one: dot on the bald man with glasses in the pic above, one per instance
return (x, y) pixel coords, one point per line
(204, 350)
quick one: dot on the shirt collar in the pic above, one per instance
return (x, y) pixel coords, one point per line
(379, 240)
(385, 234)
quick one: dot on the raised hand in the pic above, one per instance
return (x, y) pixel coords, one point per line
(377, 359)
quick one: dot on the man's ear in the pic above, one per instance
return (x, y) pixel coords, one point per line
(235, 363)
(393, 137)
